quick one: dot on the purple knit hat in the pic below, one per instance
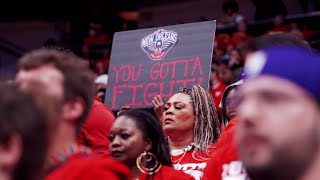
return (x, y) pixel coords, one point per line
(296, 64)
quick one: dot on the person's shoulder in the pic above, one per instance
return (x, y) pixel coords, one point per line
(99, 107)
(171, 173)
(97, 102)
(227, 136)
(231, 125)
(91, 168)
(99, 117)
(110, 165)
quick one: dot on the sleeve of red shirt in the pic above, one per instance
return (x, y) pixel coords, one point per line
(225, 153)
(105, 169)
(217, 95)
(95, 131)
(92, 168)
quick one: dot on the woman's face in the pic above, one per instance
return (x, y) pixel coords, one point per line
(232, 103)
(179, 114)
(126, 141)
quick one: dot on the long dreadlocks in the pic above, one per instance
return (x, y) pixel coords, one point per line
(207, 126)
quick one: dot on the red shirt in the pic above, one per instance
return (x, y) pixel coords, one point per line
(79, 167)
(169, 173)
(186, 163)
(217, 93)
(95, 131)
(224, 162)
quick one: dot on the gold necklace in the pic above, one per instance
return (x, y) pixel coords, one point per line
(178, 160)
(185, 150)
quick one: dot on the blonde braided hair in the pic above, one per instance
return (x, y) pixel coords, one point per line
(207, 126)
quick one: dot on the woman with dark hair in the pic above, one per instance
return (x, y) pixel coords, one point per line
(191, 122)
(230, 101)
(224, 162)
(138, 141)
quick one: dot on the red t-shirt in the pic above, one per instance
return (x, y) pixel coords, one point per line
(95, 131)
(79, 167)
(224, 162)
(217, 94)
(184, 161)
(169, 173)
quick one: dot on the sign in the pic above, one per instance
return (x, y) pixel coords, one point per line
(148, 62)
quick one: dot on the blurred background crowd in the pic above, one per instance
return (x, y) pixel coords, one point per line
(87, 29)
(52, 99)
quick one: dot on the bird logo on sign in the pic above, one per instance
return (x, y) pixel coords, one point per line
(158, 43)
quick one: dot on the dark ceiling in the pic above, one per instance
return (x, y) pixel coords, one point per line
(79, 13)
(71, 9)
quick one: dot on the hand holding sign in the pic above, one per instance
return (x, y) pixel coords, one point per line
(158, 106)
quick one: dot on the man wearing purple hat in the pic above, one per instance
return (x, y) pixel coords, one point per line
(278, 136)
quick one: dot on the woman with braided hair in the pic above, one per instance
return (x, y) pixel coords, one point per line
(190, 121)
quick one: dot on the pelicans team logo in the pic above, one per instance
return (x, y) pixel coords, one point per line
(158, 44)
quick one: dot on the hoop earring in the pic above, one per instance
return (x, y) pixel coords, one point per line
(148, 156)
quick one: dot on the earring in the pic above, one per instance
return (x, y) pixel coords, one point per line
(148, 157)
